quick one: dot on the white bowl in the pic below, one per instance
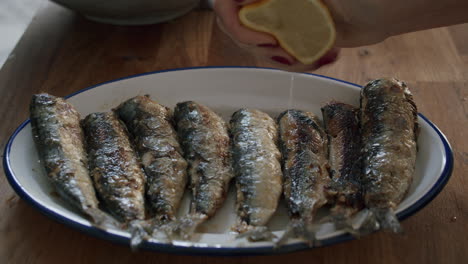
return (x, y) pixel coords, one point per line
(225, 90)
(130, 12)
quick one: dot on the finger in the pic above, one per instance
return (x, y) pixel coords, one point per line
(327, 59)
(227, 11)
(276, 56)
(244, 2)
(279, 57)
(272, 56)
(272, 53)
(238, 43)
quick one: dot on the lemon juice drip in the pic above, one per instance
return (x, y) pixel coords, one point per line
(291, 93)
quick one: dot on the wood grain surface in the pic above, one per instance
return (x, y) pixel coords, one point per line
(61, 53)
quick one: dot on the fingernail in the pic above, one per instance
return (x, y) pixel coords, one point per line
(281, 60)
(327, 59)
(267, 45)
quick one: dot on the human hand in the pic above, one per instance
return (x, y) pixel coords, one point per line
(357, 23)
(262, 45)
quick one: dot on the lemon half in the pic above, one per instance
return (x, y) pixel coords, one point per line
(304, 28)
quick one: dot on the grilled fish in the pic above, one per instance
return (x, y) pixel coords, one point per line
(150, 125)
(305, 170)
(205, 140)
(118, 177)
(389, 134)
(341, 123)
(257, 167)
(60, 143)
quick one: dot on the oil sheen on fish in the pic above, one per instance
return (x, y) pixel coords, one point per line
(257, 168)
(118, 177)
(389, 133)
(150, 125)
(60, 143)
(341, 123)
(205, 140)
(305, 169)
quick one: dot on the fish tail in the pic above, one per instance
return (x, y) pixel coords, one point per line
(185, 227)
(387, 219)
(298, 228)
(101, 219)
(139, 229)
(257, 233)
(154, 228)
(343, 220)
(163, 231)
(370, 220)
(289, 232)
(139, 232)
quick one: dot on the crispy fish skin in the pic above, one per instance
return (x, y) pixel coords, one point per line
(257, 167)
(389, 133)
(205, 140)
(305, 169)
(60, 143)
(118, 177)
(156, 142)
(341, 122)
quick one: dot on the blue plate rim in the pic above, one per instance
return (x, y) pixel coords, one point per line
(213, 251)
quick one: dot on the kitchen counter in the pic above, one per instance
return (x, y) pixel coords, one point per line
(61, 53)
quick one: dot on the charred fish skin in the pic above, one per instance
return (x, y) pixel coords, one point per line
(305, 169)
(60, 143)
(257, 167)
(305, 166)
(205, 140)
(156, 142)
(389, 133)
(341, 122)
(118, 177)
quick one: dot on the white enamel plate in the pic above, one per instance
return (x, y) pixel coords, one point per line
(225, 90)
